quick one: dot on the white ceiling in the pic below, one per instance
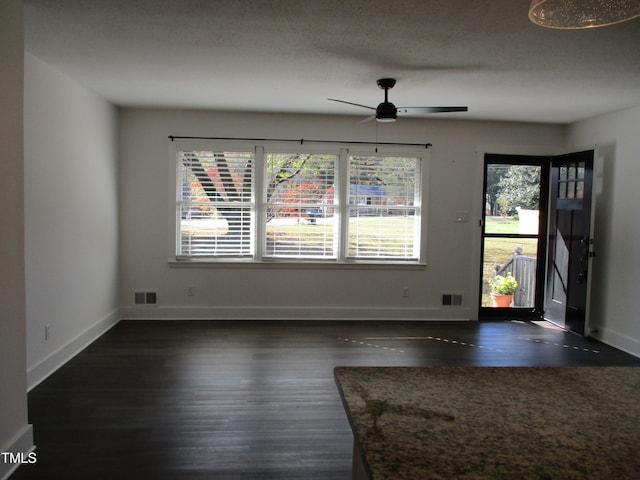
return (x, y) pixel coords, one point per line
(291, 55)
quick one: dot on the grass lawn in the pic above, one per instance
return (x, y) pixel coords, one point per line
(391, 234)
(501, 225)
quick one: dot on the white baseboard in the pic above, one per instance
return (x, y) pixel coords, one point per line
(62, 355)
(617, 340)
(21, 443)
(294, 313)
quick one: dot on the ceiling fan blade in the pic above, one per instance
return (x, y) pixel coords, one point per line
(351, 103)
(368, 119)
(425, 110)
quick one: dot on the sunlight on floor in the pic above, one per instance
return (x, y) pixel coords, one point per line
(545, 324)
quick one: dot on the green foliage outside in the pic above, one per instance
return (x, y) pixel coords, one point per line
(519, 188)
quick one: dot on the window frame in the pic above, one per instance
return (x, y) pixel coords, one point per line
(342, 151)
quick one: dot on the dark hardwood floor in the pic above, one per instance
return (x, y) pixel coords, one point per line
(248, 400)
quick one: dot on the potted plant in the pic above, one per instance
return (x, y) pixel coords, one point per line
(502, 290)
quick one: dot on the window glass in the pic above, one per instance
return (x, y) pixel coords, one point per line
(383, 221)
(300, 214)
(214, 204)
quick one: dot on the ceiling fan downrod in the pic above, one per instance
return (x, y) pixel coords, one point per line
(386, 111)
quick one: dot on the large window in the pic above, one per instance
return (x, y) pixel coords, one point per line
(262, 205)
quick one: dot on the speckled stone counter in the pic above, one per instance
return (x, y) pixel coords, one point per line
(420, 423)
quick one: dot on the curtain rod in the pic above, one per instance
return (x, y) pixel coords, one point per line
(300, 141)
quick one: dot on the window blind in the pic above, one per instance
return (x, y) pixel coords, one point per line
(384, 207)
(300, 215)
(258, 205)
(215, 207)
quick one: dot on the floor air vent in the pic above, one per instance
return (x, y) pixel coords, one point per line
(145, 297)
(452, 299)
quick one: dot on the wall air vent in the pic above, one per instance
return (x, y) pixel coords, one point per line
(145, 297)
(452, 299)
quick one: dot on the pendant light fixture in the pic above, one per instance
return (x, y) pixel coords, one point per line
(575, 14)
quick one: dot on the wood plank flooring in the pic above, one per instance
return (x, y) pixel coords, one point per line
(248, 400)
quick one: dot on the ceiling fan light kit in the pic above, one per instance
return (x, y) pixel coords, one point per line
(577, 14)
(388, 112)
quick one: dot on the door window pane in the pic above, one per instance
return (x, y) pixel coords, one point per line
(511, 256)
(511, 229)
(512, 199)
(564, 175)
(562, 190)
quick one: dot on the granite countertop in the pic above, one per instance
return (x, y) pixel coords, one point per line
(422, 423)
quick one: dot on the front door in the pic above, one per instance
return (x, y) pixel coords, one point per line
(570, 241)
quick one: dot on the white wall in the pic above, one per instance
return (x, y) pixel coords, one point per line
(15, 434)
(616, 281)
(277, 292)
(70, 216)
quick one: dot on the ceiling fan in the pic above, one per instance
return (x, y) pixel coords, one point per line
(388, 112)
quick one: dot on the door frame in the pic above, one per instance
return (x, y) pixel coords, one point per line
(478, 202)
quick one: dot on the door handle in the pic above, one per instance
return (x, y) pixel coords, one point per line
(582, 276)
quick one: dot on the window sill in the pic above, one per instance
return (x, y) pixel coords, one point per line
(298, 264)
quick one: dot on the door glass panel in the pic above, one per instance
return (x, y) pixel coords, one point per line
(563, 173)
(571, 189)
(512, 199)
(511, 228)
(511, 256)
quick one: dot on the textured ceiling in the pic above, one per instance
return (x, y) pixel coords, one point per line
(291, 55)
